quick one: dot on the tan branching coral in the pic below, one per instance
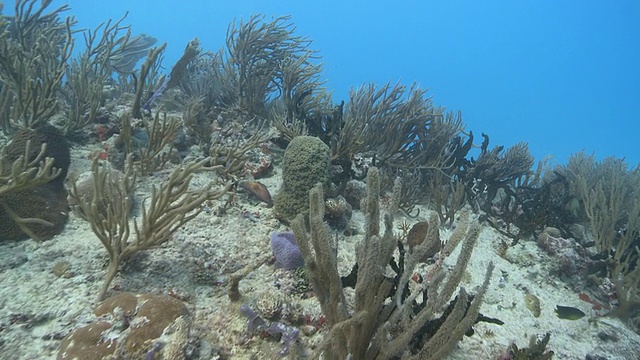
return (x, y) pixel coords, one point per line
(231, 151)
(171, 205)
(257, 50)
(265, 65)
(108, 48)
(25, 173)
(32, 194)
(154, 152)
(148, 79)
(609, 192)
(381, 323)
(400, 126)
(448, 197)
(288, 127)
(34, 49)
(499, 166)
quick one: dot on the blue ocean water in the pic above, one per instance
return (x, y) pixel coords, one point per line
(562, 76)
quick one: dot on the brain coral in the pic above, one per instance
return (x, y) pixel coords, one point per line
(46, 202)
(145, 316)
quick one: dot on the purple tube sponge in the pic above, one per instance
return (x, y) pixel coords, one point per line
(286, 251)
(287, 334)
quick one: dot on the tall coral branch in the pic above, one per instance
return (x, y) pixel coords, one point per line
(34, 49)
(25, 173)
(386, 320)
(171, 206)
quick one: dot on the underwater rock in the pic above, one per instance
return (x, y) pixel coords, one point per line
(578, 232)
(547, 234)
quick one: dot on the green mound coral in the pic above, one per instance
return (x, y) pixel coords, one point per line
(306, 163)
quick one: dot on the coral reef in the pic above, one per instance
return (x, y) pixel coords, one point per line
(305, 163)
(34, 49)
(608, 191)
(286, 334)
(152, 147)
(129, 327)
(219, 121)
(33, 198)
(384, 320)
(172, 205)
(85, 191)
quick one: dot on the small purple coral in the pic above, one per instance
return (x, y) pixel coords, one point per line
(286, 251)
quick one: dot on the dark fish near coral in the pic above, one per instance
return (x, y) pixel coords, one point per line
(569, 312)
(258, 190)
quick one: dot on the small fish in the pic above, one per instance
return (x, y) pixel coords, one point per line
(258, 190)
(568, 312)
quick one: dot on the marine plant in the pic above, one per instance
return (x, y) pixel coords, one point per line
(386, 320)
(148, 79)
(178, 71)
(109, 48)
(34, 49)
(492, 183)
(257, 51)
(262, 60)
(400, 126)
(608, 190)
(24, 173)
(448, 196)
(231, 150)
(537, 350)
(152, 147)
(172, 205)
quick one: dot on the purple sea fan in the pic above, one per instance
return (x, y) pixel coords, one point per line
(287, 253)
